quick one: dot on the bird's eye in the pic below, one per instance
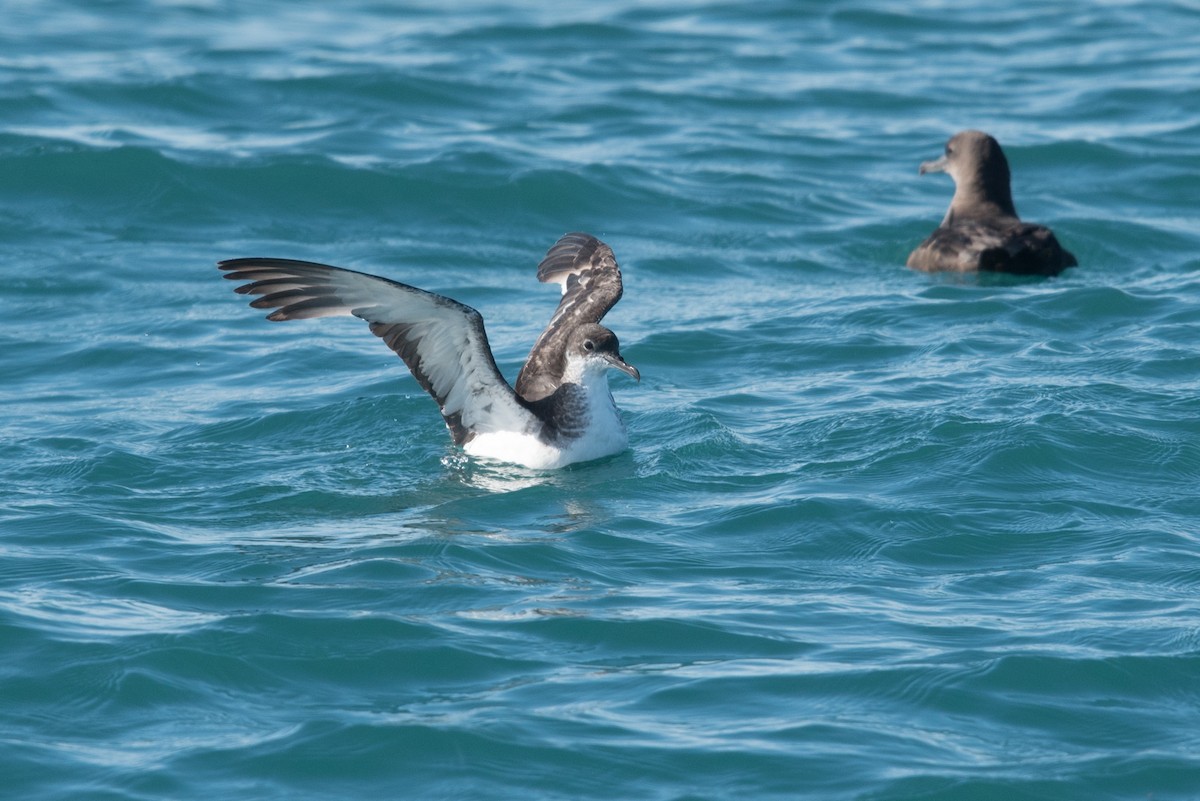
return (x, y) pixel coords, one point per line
(949, 150)
(589, 345)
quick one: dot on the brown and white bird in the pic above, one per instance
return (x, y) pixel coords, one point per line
(981, 230)
(561, 410)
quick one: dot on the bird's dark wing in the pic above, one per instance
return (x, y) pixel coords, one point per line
(1009, 246)
(442, 341)
(587, 271)
(1028, 249)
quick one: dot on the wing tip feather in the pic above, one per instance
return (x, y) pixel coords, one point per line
(572, 253)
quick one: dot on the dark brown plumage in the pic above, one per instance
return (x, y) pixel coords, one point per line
(981, 230)
(587, 271)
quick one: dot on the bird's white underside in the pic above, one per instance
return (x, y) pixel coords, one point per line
(604, 436)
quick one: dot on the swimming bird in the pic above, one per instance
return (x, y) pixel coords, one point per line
(560, 411)
(981, 230)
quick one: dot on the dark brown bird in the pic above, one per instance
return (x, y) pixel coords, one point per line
(981, 230)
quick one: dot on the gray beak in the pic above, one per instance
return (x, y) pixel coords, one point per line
(937, 165)
(624, 367)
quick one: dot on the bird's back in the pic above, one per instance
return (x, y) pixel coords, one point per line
(1006, 245)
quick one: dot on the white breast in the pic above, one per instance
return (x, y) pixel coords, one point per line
(604, 435)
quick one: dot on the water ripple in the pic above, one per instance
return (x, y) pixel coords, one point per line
(879, 534)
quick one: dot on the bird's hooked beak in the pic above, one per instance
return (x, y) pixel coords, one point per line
(625, 367)
(937, 165)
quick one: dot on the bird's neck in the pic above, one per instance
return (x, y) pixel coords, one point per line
(583, 400)
(590, 375)
(981, 196)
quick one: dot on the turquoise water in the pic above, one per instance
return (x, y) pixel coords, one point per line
(878, 535)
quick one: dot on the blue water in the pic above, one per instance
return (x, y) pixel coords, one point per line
(878, 534)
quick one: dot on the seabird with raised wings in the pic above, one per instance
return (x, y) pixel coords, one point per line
(561, 410)
(981, 230)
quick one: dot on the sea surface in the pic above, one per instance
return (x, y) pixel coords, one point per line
(878, 535)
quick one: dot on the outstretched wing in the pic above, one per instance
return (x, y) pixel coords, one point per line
(587, 271)
(441, 340)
